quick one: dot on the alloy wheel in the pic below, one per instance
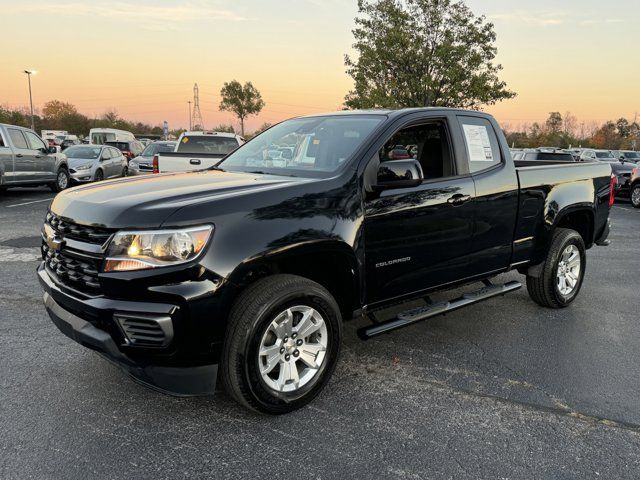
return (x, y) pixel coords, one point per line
(568, 270)
(293, 348)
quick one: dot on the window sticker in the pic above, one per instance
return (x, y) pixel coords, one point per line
(478, 143)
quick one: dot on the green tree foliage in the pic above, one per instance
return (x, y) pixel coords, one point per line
(421, 53)
(242, 101)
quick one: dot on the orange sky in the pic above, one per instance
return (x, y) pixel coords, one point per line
(141, 58)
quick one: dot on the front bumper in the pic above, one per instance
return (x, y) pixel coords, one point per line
(80, 176)
(64, 310)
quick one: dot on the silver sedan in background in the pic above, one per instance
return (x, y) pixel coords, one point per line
(143, 163)
(89, 163)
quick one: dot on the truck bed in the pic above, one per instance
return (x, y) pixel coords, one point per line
(545, 187)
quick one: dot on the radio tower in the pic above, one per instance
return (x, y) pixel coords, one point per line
(196, 118)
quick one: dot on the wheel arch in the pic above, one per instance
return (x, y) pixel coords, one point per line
(330, 263)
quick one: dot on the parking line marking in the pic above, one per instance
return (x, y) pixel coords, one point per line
(29, 203)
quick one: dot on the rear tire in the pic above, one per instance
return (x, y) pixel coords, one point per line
(635, 195)
(125, 172)
(306, 337)
(559, 281)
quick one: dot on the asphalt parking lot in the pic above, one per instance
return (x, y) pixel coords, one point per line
(502, 390)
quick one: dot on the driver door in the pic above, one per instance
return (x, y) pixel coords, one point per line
(418, 238)
(44, 162)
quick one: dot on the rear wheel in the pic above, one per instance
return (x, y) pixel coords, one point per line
(125, 172)
(62, 180)
(281, 345)
(635, 195)
(562, 271)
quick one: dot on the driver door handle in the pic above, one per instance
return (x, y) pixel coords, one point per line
(38, 156)
(458, 199)
(19, 155)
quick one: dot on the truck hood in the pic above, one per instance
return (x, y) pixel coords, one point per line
(146, 202)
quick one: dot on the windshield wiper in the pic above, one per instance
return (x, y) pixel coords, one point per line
(213, 167)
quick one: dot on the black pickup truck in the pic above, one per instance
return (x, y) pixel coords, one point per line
(247, 270)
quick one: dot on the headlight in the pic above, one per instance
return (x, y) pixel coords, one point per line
(144, 250)
(133, 164)
(86, 166)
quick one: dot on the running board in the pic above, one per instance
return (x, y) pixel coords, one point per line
(433, 310)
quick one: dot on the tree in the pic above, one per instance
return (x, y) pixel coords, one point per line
(55, 110)
(224, 128)
(420, 53)
(242, 101)
(554, 123)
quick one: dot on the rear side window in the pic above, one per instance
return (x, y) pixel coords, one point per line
(115, 153)
(207, 144)
(17, 138)
(481, 142)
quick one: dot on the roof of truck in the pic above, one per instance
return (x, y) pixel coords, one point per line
(396, 112)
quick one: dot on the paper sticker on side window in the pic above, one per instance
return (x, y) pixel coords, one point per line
(478, 143)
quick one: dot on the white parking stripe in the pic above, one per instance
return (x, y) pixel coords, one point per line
(29, 203)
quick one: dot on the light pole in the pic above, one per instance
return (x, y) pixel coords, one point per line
(29, 73)
(189, 102)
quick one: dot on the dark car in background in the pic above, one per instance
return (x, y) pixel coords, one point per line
(634, 187)
(130, 149)
(628, 156)
(143, 163)
(621, 169)
(544, 155)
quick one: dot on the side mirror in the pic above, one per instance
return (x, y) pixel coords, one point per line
(399, 174)
(51, 150)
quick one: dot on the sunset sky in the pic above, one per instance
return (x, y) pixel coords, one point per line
(142, 58)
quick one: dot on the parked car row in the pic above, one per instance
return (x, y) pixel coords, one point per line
(623, 165)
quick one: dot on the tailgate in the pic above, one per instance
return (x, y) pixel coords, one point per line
(185, 162)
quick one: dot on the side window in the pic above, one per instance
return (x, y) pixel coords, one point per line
(428, 143)
(115, 153)
(17, 138)
(480, 139)
(105, 154)
(2, 144)
(34, 141)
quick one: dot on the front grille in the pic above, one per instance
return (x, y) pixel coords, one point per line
(146, 330)
(75, 267)
(78, 271)
(94, 235)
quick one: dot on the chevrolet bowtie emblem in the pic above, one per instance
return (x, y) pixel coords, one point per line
(54, 242)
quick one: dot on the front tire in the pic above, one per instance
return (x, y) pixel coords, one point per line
(281, 345)
(62, 181)
(562, 271)
(635, 195)
(99, 176)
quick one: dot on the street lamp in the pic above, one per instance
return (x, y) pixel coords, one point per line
(189, 102)
(29, 73)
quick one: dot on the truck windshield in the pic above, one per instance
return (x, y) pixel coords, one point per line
(100, 138)
(604, 156)
(154, 148)
(304, 147)
(207, 144)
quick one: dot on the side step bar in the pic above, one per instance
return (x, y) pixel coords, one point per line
(433, 310)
